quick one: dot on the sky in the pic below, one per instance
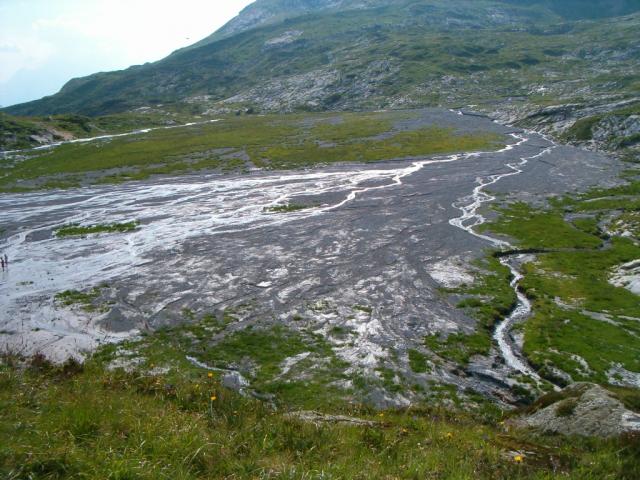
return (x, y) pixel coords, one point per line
(45, 43)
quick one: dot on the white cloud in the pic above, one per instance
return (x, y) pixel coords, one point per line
(45, 41)
(22, 53)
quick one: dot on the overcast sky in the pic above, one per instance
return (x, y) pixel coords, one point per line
(44, 43)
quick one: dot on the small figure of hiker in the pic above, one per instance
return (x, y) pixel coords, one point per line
(2, 263)
(5, 262)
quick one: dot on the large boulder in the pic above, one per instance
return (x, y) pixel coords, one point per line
(583, 409)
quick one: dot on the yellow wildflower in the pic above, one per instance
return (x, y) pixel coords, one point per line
(213, 398)
(449, 435)
(518, 459)
(210, 375)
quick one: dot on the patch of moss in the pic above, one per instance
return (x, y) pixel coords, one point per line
(491, 299)
(290, 207)
(417, 361)
(80, 230)
(85, 300)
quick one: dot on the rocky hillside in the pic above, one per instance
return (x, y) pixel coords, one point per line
(543, 65)
(25, 132)
(265, 12)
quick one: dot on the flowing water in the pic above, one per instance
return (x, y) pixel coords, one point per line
(372, 235)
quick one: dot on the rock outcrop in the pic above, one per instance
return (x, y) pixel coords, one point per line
(319, 418)
(583, 409)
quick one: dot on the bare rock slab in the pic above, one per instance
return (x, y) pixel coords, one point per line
(584, 409)
(319, 418)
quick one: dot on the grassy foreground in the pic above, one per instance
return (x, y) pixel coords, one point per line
(239, 144)
(88, 422)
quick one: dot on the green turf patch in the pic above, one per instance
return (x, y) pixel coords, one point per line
(490, 299)
(85, 300)
(81, 230)
(582, 325)
(417, 361)
(290, 207)
(539, 229)
(273, 359)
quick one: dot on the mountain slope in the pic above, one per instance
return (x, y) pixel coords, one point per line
(529, 63)
(352, 50)
(265, 12)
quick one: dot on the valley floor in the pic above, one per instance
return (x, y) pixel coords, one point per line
(360, 255)
(211, 309)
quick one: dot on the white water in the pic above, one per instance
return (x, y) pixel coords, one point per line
(470, 219)
(170, 212)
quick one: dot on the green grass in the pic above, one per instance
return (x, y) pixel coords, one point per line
(629, 396)
(490, 299)
(567, 407)
(535, 229)
(426, 141)
(579, 323)
(16, 132)
(579, 280)
(272, 142)
(625, 197)
(76, 422)
(85, 300)
(259, 354)
(79, 230)
(418, 361)
(290, 207)
(582, 130)
(349, 126)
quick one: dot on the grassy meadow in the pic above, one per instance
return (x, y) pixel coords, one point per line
(239, 143)
(582, 326)
(89, 421)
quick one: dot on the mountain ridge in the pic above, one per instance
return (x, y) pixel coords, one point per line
(235, 59)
